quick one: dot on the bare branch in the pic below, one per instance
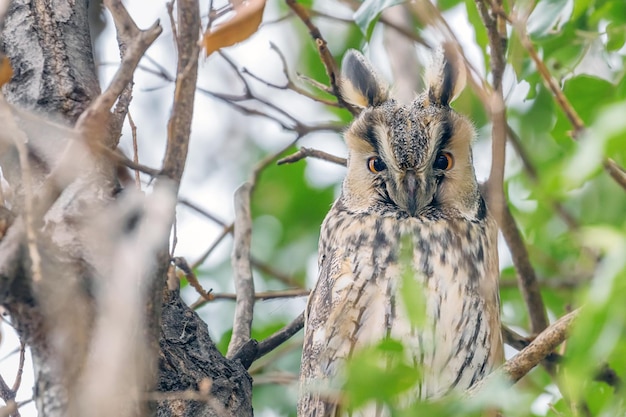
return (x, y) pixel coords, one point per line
(259, 296)
(280, 337)
(20, 368)
(519, 365)
(314, 153)
(495, 195)
(225, 232)
(242, 271)
(202, 211)
(290, 84)
(133, 130)
(91, 121)
(273, 272)
(179, 125)
(192, 279)
(527, 278)
(325, 55)
(617, 173)
(542, 69)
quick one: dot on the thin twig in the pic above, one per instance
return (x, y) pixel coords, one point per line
(225, 232)
(20, 368)
(543, 71)
(266, 269)
(616, 172)
(202, 211)
(281, 378)
(324, 53)
(313, 153)
(182, 264)
(133, 130)
(289, 83)
(259, 296)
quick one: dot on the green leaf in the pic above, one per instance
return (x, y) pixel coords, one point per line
(586, 94)
(610, 10)
(548, 16)
(616, 36)
(379, 373)
(411, 288)
(367, 14)
(580, 7)
(448, 4)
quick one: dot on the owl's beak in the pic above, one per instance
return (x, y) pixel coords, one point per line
(411, 187)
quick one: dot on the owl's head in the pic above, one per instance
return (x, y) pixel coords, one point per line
(413, 159)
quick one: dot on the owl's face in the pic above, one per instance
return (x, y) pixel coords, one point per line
(410, 159)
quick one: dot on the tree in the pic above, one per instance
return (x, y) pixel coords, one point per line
(90, 278)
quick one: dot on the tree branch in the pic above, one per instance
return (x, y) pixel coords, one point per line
(325, 55)
(313, 153)
(496, 198)
(280, 337)
(179, 125)
(518, 366)
(540, 348)
(242, 271)
(96, 115)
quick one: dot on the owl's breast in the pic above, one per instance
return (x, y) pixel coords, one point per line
(364, 260)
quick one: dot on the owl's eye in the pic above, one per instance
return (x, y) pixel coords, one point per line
(444, 161)
(375, 165)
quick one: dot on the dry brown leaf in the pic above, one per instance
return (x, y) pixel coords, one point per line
(246, 21)
(6, 72)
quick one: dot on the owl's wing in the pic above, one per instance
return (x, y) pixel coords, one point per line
(346, 310)
(317, 369)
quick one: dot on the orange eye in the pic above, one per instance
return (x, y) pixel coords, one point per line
(375, 165)
(444, 161)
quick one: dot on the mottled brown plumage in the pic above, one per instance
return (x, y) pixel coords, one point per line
(410, 184)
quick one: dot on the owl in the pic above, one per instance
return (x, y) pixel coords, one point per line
(410, 186)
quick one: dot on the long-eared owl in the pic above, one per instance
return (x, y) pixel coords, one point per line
(410, 183)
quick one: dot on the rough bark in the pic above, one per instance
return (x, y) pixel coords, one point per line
(188, 357)
(49, 45)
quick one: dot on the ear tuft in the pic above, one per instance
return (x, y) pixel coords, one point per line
(359, 84)
(446, 77)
